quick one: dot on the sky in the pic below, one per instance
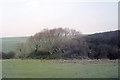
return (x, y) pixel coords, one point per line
(27, 17)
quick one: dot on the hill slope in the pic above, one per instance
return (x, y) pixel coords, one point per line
(103, 38)
(9, 44)
(101, 45)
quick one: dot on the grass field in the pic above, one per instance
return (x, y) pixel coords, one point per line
(10, 43)
(16, 68)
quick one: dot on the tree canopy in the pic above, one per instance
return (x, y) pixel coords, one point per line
(59, 43)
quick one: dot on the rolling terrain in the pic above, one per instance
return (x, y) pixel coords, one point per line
(110, 38)
(35, 68)
(10, 43)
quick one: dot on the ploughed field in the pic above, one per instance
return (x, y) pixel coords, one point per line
(16, 68)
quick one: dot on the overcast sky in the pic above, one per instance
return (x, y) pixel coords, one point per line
(27, 17)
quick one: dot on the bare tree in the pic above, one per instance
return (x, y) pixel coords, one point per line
(53, 41)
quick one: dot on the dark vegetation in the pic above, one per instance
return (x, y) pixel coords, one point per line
(104, 45)
(66, 43)
(9, 55)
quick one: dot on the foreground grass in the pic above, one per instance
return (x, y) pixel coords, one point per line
(59, 69)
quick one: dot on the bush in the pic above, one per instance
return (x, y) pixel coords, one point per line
(3, 55)
(9, 55)
(39, 55)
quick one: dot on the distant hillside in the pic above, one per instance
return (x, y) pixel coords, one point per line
(100, 44)
(10, 43)
(103, 44)
(110, 37)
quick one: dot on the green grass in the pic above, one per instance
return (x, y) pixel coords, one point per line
(59, 69)
(11, 43)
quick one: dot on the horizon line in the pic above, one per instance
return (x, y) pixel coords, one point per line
(82, 33)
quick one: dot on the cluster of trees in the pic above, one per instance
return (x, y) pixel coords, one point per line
(67, 43)
(54, 44)
(103, 45)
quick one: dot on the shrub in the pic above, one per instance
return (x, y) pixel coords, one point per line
(10, 55)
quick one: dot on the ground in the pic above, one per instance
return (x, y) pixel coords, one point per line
(16, 68)
(11, 43)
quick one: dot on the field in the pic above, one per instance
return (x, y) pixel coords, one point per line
(16, 68)
(10, 44)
